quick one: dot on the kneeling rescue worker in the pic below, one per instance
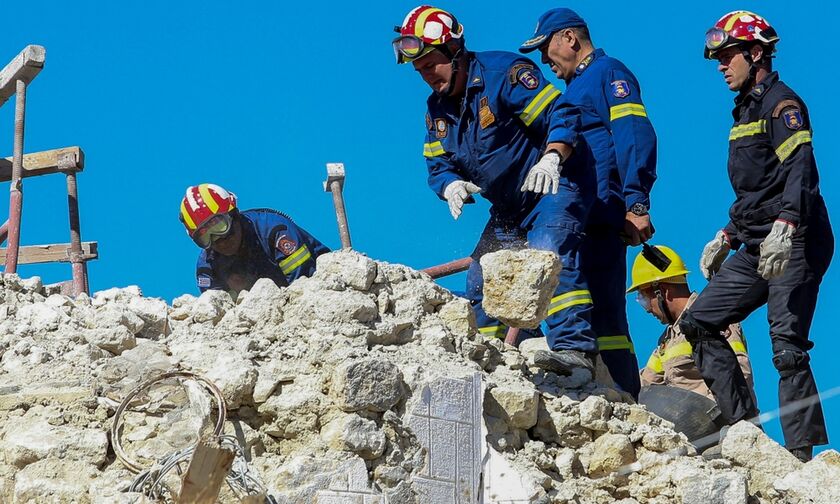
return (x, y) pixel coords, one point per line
(779, 229)
(240, 247)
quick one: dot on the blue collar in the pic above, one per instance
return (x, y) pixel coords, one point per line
(760, 89)
(584, 64)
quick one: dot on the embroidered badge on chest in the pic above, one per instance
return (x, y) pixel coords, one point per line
(793, 118)
(285, 244)
(620, 88)
(485, 115)
(440, 127)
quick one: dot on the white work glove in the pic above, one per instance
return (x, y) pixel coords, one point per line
(775, 250)
(714, 253)
(545, 175)
(456, 193)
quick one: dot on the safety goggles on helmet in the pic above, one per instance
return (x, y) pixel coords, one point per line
(718, 39)
(219, 226)
(408, 48)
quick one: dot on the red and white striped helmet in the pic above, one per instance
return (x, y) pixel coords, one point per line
(425, 29)
(203, 202)
(736, 28)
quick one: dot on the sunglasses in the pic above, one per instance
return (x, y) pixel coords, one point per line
(216, 227)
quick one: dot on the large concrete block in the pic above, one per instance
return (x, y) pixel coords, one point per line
(519, 285)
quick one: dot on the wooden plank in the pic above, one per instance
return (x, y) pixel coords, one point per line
(25, 66)
(208, 469)
(56, 252)
(45, 162)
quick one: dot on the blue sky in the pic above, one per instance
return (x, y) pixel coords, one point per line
(258, 96)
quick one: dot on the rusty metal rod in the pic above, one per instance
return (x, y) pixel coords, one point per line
(449, 268)
(16, 189)
(76, 260)
(340, 214)
(512, 336)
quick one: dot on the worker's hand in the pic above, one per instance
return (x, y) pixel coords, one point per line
(775, 250)
(714, 253)
(545, 175)
(637, 228)
(457, 193)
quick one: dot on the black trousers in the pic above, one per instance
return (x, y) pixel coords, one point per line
(736, 291)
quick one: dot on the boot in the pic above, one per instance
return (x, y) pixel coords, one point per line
(804, 453)
(563, 362)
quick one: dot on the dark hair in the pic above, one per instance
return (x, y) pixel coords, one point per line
(582, 32)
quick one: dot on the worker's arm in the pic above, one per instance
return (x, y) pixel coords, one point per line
(294, 250)
(205, 279)
(653, 372)
(790, 134)
(439, 163)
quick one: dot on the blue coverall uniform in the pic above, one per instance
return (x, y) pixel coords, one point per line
(273, 246)
(774, 175)
(614, 123)
(492, 137)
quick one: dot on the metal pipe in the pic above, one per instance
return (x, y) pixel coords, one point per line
(340, 214)
(449, 268)
(16, 189)
(512, 336)
(4, 231)
(76, 260)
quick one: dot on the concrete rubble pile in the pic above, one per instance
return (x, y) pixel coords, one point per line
(366, 383)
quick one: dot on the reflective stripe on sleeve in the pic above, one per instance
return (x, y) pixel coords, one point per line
(433, 149)
(788, 146)
(568, 300)
(295, 260)
(655, 364)
(749, 129)
(627, 109)
(538, 104)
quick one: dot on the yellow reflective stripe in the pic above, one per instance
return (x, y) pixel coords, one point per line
(749, 129)
(681, 350)
(538, 104)
(433, 149)
(655, 364)
(568, 300)
(788, 146)
(208, 198)
(738, 346)
(496, 331)
(627, 109)
(621, 342)
(187, 219)
(294, 261)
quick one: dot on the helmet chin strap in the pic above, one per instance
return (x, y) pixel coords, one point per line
(750, 82)
(663, 307)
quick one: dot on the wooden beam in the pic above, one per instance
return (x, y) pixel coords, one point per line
(208, 469)
(56, 252)
(45, 162)
(25, 66)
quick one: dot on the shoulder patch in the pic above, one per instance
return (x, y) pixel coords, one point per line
(285, 244)
(524, 74)
(793, 118)
(783, 105)
(620, 88)
(440, 127)
(428, 122)
(203, 281)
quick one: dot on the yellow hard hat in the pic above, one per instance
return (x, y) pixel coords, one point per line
(645, 273)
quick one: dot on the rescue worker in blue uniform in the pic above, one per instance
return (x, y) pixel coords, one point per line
(614, 122)
(779, 229)
(487, 132)
(240, 247)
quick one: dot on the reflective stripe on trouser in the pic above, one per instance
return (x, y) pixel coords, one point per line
(736, 291)
(554, 225)
(604, 263)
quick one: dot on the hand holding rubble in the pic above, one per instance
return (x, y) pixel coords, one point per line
(545, 175)
(714, 253)
(457, 193)
(775, 250)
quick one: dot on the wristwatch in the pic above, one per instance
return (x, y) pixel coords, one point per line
(639, 209)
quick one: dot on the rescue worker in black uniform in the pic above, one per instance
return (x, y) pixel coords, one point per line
(779, 229)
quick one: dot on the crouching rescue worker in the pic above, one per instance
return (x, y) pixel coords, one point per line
(615, 124)
(666, 295)
(487, 132)
(779, 229)
(240, 247)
